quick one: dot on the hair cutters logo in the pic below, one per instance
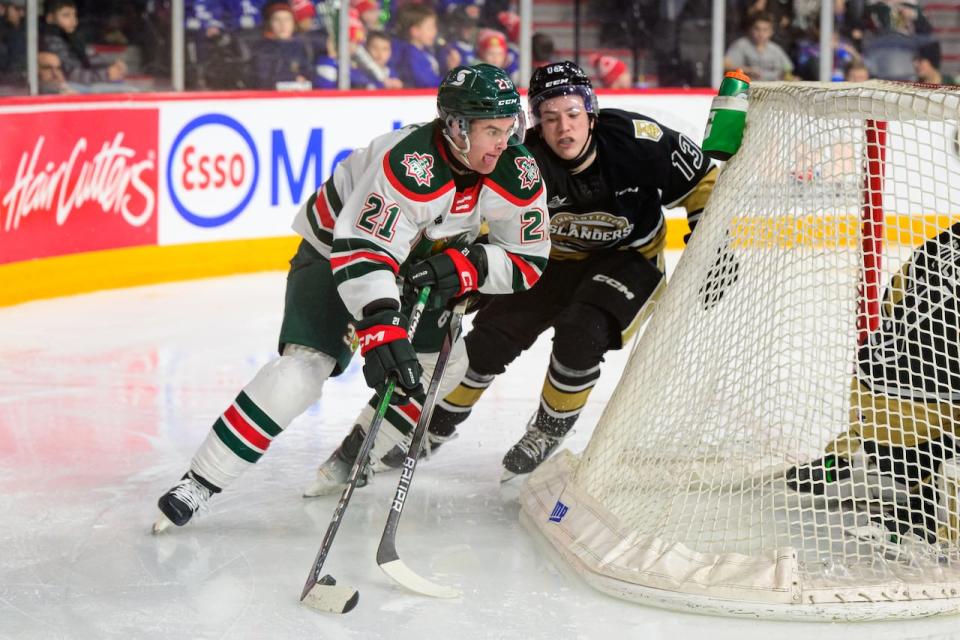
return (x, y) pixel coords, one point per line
(212, 170)
(77, 180)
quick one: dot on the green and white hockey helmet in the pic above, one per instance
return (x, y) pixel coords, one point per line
(479, 92)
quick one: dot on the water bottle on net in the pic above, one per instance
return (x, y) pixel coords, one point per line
(728, 116)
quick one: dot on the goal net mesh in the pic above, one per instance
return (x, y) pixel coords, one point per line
(752, 364)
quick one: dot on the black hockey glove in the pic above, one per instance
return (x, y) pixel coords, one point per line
(450, 274)
(387, 352)
(721, 276)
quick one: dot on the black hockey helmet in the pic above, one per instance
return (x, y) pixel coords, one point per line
(560, 79)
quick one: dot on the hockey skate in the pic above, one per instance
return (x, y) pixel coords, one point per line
(894, 537)
(836, 478)
(828, 476)
(533, 448)
(333, 474)
(181, 502)
(394, 458)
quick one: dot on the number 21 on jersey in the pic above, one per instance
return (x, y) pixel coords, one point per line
(378, 218)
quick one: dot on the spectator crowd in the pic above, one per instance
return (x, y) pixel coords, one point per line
(886, 39)
(393, 44)
(396, 45)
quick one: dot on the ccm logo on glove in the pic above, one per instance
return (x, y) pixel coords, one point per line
(380, 334)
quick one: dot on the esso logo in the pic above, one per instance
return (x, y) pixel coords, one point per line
(212, 170)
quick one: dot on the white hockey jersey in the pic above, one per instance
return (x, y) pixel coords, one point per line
(395, 202)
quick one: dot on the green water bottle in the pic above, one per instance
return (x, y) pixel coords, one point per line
(728, 115)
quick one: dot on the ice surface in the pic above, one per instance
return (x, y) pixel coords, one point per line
(104, 398)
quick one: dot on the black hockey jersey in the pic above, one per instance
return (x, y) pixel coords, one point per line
(617, 202)
(915, 353)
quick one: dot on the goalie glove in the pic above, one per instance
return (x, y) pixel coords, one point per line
(451, 274)
(387, 352)
(722, 275)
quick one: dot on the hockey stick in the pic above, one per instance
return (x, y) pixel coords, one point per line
(387, 557)
(324, 594)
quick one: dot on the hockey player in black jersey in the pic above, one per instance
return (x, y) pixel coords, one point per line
(904, 403)
(609, 174)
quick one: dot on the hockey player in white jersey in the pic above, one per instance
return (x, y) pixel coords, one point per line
(412, 202)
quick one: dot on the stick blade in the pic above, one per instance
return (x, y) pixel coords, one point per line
(326, 595)
(404, 576)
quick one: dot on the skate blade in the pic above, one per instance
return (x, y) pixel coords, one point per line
(326, 595)
(507, 476)
(320, 490)
(162, 524)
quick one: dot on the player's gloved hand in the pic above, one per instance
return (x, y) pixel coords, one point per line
(722, 275)
(450, 274)
(387, 352)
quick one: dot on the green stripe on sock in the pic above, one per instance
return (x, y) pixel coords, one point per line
(234, 443)
(257, 415)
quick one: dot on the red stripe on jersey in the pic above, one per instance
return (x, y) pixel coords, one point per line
(464, 201)
(337, 261)
(245, 429)
(509, 197)
(530, 274)
(406, 193)
(323, 210)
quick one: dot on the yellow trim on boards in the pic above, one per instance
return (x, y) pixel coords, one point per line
(130, 267)
(117, 268)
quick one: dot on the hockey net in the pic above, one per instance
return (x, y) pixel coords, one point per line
(746, 370)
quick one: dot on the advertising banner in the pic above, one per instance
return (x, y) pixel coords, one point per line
(85, 176)
(77, 180)
(240, 168)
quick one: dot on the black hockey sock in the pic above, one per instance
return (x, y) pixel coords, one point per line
(443, 423)
(565, 392)
(456, 407)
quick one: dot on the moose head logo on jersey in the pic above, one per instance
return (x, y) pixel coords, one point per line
(529, 172)
(419, 166)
